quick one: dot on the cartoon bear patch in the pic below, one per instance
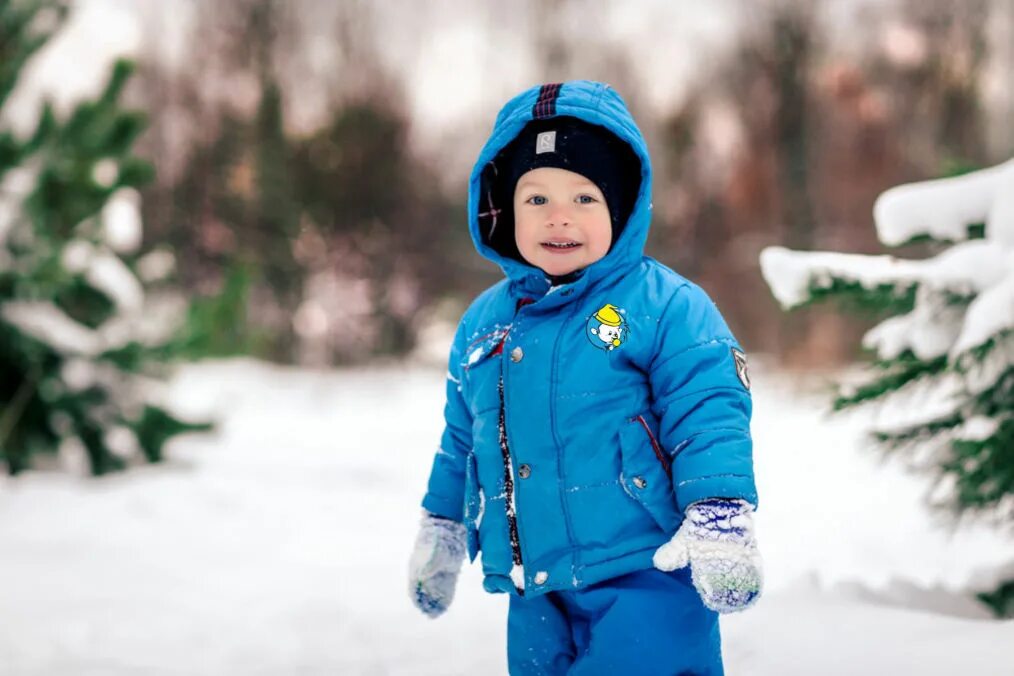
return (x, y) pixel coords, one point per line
(607, 329)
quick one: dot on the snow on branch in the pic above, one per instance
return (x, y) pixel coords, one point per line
(964, 269)
(989, 315)
(944, 208)
(51, 325)
(918, 403)
(929, 330)
(794, 275)
(150, 324)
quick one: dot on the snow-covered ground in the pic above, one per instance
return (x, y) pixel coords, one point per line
(279, 545)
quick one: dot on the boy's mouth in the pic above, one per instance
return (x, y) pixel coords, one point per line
(560, 246)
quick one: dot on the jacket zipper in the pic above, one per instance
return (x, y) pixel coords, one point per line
(508, 484)
(655, 447)
(508, 469)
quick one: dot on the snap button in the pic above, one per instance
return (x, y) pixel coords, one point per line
(541, 577)
(524, 471)
(640, 482)
(517, 354)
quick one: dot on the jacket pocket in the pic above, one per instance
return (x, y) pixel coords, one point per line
(645, 474)
(485, 346)
(473, 506)
(480, 370)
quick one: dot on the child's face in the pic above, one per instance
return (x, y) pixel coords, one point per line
(561, 220)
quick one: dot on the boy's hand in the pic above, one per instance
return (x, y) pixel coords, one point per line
(717, 541)
(435, 563)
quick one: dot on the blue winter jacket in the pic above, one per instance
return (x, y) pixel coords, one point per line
(624, 395)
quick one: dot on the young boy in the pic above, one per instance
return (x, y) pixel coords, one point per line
(597, 446)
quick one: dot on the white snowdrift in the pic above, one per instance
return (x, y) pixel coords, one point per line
(280, 544)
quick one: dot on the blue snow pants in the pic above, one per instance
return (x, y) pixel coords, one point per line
(647, 622)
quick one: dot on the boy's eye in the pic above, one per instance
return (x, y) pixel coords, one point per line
(537, 199)
(586, 199)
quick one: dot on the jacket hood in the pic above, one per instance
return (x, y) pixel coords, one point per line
(593, 102)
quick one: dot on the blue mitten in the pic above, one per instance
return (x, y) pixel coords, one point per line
(717, 541)
(435, 563)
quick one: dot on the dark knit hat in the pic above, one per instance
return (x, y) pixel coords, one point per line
(566, 143)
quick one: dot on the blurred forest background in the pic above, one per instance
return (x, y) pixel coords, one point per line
(300, 170)
(312, 158)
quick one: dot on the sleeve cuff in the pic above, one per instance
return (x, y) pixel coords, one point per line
(443, 507)
(727, 486)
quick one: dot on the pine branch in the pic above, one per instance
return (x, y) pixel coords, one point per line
(972, 231)
(1001, 600)
(981, 352)
(906, 369)
(983, 469)
(853, 296)
(16, 406)
(24, 28)
(895, 440)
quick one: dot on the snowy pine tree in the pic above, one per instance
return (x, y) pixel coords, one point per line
(943, 370)
(79, 332)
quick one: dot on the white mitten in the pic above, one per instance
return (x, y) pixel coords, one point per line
(435, 563)
(716, 539)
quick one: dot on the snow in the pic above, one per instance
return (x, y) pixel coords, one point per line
(49, 324)
(74, 64)
(977, 428)
(150, 323)
(15, 185)
(121, 221)
(844, 637)
(518, 576)
(105, 172)
(790, 274)
(944, 208)
(929, 330)
(967, 267)
(156, 265)
(991, 313)
(78, 374)
(919, 402)
(475, 355)
(104, 271)
(77, 255)
(982, 374)
(280, 545)
(109, 274)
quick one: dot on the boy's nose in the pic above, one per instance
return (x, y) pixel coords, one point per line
(559, 217)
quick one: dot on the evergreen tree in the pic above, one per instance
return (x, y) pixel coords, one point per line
(79, 332)
(943, 369)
